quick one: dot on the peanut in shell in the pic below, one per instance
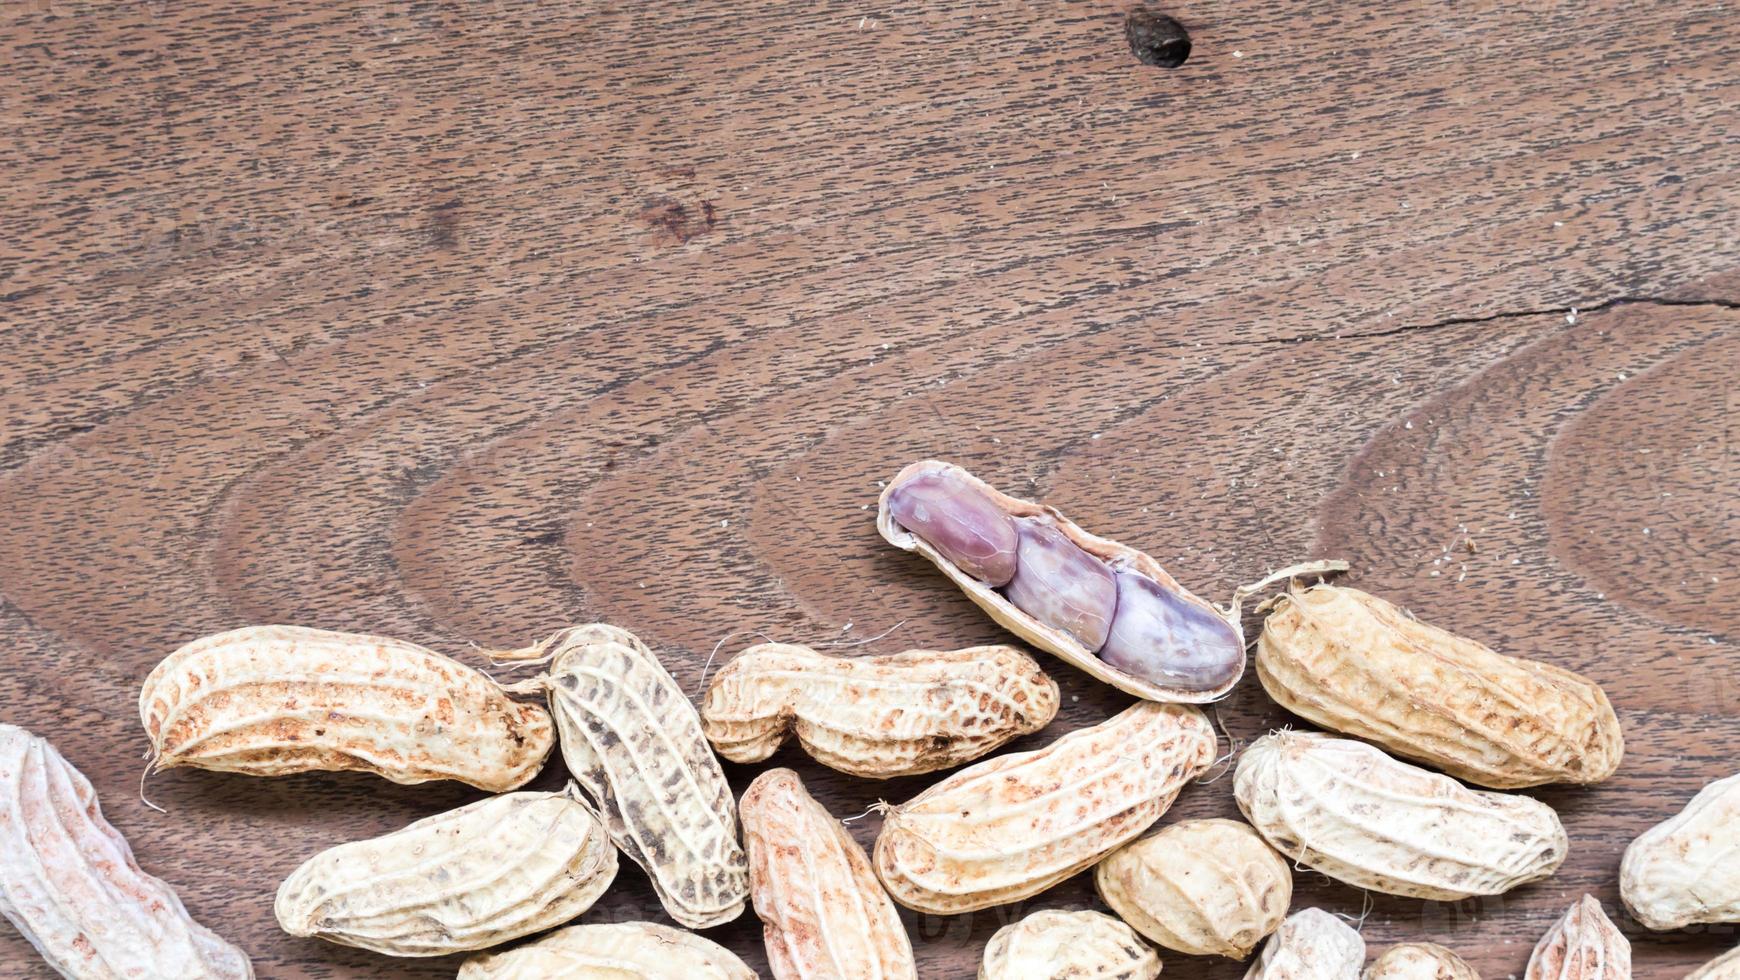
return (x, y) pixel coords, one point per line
(823, 913)
(1013, 825)
(1056, 945)
(611, 951)
(495, 870)
(1104, 607)
(876, 717)
(1419, 961)
(633, 742)
(70, 884)
(1684, 870)
(1583, 945)
(1310, 945)
(1354, 663)
(1346, 809)
(1203, 887)
(275, 700)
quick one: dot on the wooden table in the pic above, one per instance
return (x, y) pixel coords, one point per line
(460, 322)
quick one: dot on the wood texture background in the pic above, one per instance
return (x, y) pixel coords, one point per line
(460, 322)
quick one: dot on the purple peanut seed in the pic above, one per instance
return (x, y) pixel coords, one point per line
(1165, 639)
(959, 521)
(1061, 585)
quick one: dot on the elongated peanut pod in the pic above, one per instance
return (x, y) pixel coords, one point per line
(274, 700)
(877, 717)
(69, 883)
(1419, 961)
(1583, 945)
(1683, 871)
(1075, 945)
(1348, 810)
(1310, 945)
(633, 741)
(467, 879)
(1354, 663)
(824, 915)
(1014, 825)
(611, 951)
(1203, 887)
(1102, 606)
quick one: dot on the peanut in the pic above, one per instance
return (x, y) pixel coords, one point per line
(878, 717)
(1203, 887)
(69, 883)
(633, 741)
(1102, 606)
(823, 913)
(1055, 945)
(1583, 945)
(1012, 826)
(1419, 961)
(1681, 871)
(613, 951)
(483, 874)
(1354, 663)
(1310, 945)
(1724, 967)
(273, 700)
(1355, 814)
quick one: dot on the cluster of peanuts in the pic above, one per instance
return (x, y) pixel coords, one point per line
(1379, 800)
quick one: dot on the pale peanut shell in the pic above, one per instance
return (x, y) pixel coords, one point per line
(611, 951)
(70, 884)
(1058, 945)
(1348, 810)
(1419, 961)
(877, 717)
(1203, 887)
(1050, 639)
(1012, 826)
(1724, 967)
(1351, 662)
(633, 741)
(823, 913)
(1583, 945)
(503, 867)
(1310, 945)
(274, 700)
(1686, 869)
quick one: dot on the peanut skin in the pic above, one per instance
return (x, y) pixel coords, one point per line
(1061, 585)
(1159, 635)
(960, 522)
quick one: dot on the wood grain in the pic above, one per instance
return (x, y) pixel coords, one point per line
(460, 322)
